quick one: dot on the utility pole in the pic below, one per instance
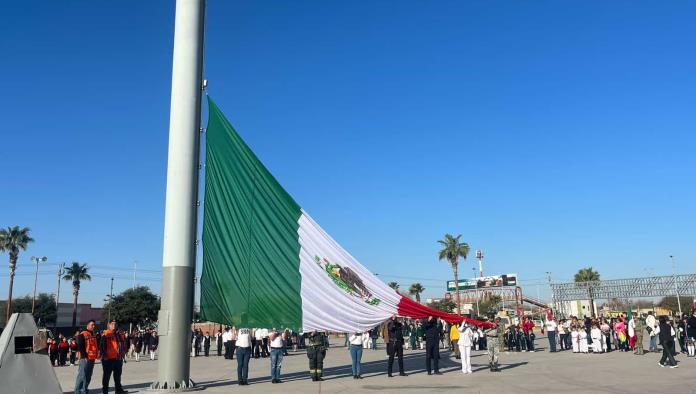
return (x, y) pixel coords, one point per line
(135, 269)
(676, 287)
(478, 312)
(181, 206)
(111, 298)
(37, 260)
(60, 275)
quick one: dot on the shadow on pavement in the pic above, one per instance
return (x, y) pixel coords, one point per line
(414, 364)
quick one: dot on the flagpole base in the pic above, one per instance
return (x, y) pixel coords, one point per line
(177, 387)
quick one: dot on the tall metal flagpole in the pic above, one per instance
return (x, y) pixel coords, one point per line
(181, 207)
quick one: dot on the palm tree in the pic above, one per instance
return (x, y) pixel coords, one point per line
(416, 289)
(76, 272)
(588, 277)
(393, 285)
(12, 240)
(451, 251)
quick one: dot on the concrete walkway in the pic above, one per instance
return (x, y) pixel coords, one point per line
(537, 372)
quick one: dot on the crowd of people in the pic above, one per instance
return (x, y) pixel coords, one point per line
(430, 335)
(625, 334)
(63, 351)
(588, 335)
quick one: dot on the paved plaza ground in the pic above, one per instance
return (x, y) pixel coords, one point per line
(539, 372)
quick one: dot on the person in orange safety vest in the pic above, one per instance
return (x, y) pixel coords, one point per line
(87, 353)
(113, 348)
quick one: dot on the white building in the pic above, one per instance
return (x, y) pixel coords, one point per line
(579, 308)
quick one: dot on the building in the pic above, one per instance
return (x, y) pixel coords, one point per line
(85, 313)
(578, 308)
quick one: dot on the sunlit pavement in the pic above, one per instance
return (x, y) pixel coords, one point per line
(537, 372)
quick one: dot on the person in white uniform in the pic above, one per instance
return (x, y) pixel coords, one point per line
(575, 338)
(466, 339)
(366, 341)
(276, 341)
(596, 335)
(583, 341)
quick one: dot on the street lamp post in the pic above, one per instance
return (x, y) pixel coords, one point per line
(37, 260)
(676, 287)
(554, 302)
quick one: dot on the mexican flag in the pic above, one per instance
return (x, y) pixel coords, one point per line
(267, 263)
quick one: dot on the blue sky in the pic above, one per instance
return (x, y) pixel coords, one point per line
(552, 135)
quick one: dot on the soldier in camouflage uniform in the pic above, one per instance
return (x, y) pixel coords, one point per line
(316, 351)
(494, 336)
(639, 335)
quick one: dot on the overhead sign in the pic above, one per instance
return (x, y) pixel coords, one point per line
(484, 282)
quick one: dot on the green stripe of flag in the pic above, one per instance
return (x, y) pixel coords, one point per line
(251, 274)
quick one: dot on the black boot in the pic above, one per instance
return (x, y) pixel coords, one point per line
(490, 365)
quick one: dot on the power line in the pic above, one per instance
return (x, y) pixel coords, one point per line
(98, 266)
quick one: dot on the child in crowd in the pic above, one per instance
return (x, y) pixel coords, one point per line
(582, 334)
(596, 335)
(575, 338)
(690, 347)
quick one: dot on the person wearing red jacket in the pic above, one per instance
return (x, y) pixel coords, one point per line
(528, 330)
(53, 351)
(63, 348)
(73, 350)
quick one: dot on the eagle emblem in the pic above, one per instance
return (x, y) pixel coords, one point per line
(348, 280)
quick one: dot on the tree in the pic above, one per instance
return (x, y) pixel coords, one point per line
(616, 304)
(490, 304)
(393, 285)
(137, 305)
(445, 305)
(416, 289)
(76, 273)
(588, 276)
(12, 240)
(642, 304)
(45, 311)
(451, 251)
(670, 303)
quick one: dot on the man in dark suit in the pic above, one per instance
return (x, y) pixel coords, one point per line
(206, 344)
(431, 332)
